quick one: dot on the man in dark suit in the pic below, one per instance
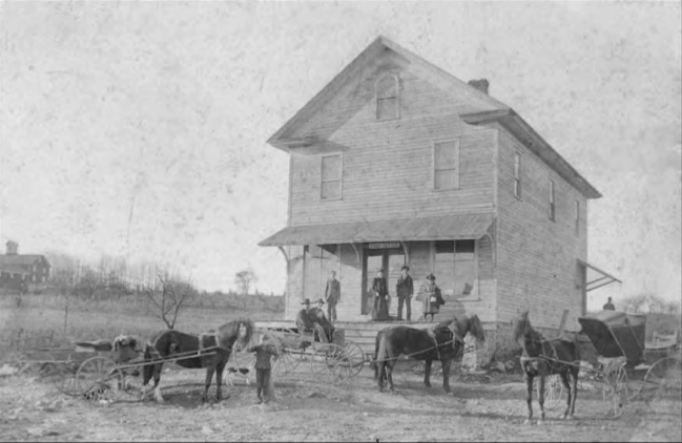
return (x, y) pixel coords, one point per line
(609, 306)
(332, 295)
(405, 289)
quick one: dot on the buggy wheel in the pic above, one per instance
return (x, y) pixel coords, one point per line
(98, 378)
(554, 389)
(662, 380)
(286, 363)
(615, 389)
(339, 364)
(329, 363)
(356, 357)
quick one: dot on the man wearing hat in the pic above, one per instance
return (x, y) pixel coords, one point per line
(333, 294)
(323, 326)
(432, 297)
(405, 289)
(304, 320)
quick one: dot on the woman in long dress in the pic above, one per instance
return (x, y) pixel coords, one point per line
(380, 290)
(432, 297)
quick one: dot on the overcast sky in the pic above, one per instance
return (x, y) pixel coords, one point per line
(139, 129)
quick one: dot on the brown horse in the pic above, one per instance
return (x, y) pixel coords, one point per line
(542, 357)
(442, 342)
(210, 350)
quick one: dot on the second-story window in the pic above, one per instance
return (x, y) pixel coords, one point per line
(517, 175)
(331, 177)
(552, 206)
(446, 165)
(577, 216)
(387, 98)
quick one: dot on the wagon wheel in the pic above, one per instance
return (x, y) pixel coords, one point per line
(356, 357)
(662, 380)
(615, 388)
(554, 389)
(340, 364)
(286, 363)
(329, 363)
(98, 378)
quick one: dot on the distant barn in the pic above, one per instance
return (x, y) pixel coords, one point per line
(397, 162)
(22, 272)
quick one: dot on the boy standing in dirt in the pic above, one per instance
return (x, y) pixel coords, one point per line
(263, 368)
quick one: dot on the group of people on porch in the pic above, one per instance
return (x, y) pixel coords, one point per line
(432, 302)
(312, 318)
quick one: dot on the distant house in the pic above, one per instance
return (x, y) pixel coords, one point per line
(22, 271)
(397, 162)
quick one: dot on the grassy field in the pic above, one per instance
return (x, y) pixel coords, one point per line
(54, 320)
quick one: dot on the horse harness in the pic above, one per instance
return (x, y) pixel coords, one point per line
(455, 337)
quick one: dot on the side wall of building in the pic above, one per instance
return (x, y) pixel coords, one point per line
(537, 258)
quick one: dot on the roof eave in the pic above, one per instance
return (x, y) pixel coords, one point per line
(513, 121)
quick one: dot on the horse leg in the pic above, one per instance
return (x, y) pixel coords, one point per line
(529, 396)
(569, 390)
(541, 398)
(446, 374)
(381, 370)
(427, 373)
(219, 378)
(210, 369)
(389, 375)
(574, 382)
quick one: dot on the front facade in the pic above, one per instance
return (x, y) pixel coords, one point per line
(396, 162)
(22, 272)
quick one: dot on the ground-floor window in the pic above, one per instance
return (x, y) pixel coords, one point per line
(455, 266)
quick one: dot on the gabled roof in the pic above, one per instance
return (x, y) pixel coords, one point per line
(20, 260)
(484, 108)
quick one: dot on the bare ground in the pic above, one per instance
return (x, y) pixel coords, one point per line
(478, 409)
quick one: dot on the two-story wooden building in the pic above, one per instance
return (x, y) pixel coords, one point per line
(398, 162)
(22, 272)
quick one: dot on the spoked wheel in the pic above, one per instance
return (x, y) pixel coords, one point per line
(98, 378)
(329, 363)
(356, 357)
(286, 363)
(554, 389)
(662, 381)
(615, 388)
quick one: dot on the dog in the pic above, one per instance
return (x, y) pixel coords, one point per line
(231, 372)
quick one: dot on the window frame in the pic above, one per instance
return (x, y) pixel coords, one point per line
(552, 200)
(577, 217)
(396, 97)
(517, 174)
(456, 141)
(340, 179)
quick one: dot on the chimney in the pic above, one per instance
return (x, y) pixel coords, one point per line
(482, 85)
(12, 248)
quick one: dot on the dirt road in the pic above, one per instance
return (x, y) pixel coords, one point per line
(492, 411)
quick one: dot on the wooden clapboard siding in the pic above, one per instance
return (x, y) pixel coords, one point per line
(536, 262)
(388, 166)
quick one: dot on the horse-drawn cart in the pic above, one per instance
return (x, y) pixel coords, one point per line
(332, 362)
(625, 367)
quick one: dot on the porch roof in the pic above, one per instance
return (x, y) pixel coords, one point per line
(449, 227)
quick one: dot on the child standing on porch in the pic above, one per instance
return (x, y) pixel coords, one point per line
(263, 368)
(432, 297)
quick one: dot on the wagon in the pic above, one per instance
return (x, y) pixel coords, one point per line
(626, 368)
(303, 353)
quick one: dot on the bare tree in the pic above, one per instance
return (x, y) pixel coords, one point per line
(635, 304)
(168, 297)
(244, 279)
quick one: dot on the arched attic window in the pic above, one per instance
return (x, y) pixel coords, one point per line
(387, 97)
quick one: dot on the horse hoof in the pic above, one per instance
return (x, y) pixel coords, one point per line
(528, 422)
(540, 422)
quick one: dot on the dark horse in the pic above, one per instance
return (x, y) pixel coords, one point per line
(215, 345)
(442, 342)
(542, 357)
